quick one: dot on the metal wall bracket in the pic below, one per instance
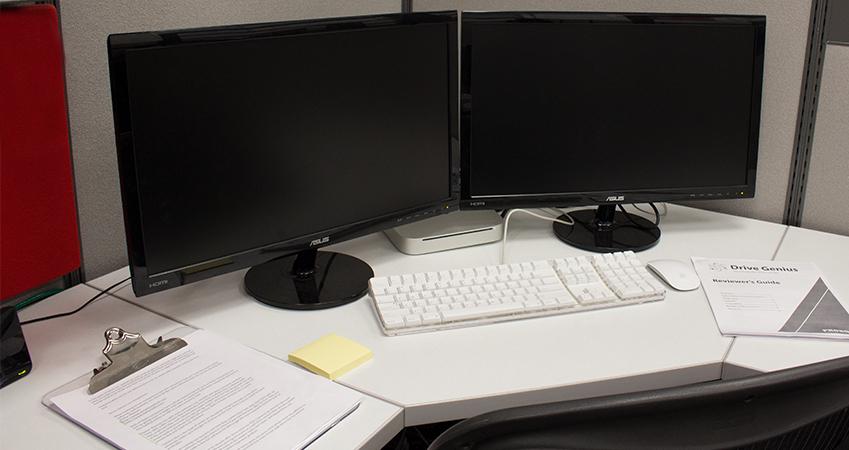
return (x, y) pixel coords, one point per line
(806, 120)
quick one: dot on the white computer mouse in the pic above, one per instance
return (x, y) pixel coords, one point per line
(678, 275)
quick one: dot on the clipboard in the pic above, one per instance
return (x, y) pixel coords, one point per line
(129, 353)
(121, 348)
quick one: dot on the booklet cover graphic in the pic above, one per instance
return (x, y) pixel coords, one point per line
(819, 312)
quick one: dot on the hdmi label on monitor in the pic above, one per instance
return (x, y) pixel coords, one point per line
(157, 283)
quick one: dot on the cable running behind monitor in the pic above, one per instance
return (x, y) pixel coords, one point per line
(605, 109)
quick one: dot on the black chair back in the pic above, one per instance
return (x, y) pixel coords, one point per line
(805, 407)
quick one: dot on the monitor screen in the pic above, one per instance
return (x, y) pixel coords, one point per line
(238, 139)
(565, 109)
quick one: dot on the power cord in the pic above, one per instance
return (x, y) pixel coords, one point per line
(54, 316)
(510, 213)
(665, 209)
(627, 216)
(37, 298)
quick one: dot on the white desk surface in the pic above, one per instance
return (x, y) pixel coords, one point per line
(830, 252)
(454, 374)
(63, 349)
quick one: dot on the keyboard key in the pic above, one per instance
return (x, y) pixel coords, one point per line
(384, 299)
(412, 320)
(384, 307)
(393, 322)
(533, 305)
(557, 296)
(479, 311)
(431, 318)
(550, 288)
(550, 302)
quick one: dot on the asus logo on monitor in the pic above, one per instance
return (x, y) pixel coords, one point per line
(323, 240)
(616, 198)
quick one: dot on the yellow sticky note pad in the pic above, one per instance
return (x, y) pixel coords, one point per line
(330, 356)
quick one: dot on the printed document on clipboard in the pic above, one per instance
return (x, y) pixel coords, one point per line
(207, 393)
(772, 298)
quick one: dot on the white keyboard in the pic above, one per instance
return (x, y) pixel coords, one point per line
(430, 301)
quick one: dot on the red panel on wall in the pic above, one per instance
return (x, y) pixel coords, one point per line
(39, 240)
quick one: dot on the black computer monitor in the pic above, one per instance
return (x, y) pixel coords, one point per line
(255, 145)
(569, 109)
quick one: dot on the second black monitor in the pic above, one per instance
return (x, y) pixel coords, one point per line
(566, 109)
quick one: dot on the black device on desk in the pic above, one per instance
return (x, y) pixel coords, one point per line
(570, 109)
(255, 145)
(14, 356)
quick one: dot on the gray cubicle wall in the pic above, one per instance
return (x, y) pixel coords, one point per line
(787, 35)
(436, 5)
(85, 25)
(826, 205)
(826, 196)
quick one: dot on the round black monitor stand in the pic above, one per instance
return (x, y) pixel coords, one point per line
(309, 280)
(605, 230)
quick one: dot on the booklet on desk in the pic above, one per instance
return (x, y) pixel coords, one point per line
(772, 298)
(212, 393)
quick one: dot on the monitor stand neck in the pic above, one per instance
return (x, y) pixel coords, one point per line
(606, 230)
(309, 280)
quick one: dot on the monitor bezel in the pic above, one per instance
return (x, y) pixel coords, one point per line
(570, 199)
(143, 281)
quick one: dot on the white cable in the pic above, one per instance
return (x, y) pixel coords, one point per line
(510, 213)
(559, 213)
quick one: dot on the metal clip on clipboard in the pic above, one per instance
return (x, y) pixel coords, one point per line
(128, 353)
